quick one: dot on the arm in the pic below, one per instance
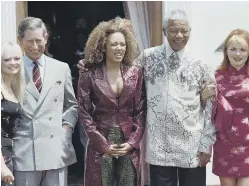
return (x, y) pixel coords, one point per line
(140, 60)
(6, 175)
(70, 108)
(85, 113)
(208, 136)
(140, 113)
(208, 89)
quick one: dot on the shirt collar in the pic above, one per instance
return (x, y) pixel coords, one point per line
(40, 61)
(180, 53)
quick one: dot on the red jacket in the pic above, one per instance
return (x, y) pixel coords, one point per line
(98, 104)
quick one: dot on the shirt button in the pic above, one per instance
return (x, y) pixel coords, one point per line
(51, 136)
(55, 100)
(50, 118)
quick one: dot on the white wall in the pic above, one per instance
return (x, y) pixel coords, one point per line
(8, 21)
(211, 23)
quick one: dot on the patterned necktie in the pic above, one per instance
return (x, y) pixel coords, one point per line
(174, 62)
(37, 77)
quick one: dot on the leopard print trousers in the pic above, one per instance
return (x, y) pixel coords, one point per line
(117, 171)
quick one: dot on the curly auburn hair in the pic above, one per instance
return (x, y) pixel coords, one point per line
(239, 33)
(96, 43)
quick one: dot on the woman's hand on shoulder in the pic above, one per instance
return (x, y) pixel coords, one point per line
(82, 66)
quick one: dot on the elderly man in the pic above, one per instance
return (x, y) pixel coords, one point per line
(42, 147)
(179, 132)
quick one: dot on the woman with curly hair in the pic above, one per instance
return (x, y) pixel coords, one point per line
(112, 106)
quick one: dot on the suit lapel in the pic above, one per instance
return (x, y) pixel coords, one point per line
(30, 86)
(48, 79)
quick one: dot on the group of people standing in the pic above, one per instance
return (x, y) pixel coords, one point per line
(166, 95)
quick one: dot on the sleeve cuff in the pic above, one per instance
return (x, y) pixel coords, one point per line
(205, 149)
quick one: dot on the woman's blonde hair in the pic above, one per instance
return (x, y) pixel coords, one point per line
(18, 82)
(96, 43)
(238, 33)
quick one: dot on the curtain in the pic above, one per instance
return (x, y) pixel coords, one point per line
(138, 12)
(146, 17)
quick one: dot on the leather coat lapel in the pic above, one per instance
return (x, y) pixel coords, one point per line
(129, 81)
(103, 85)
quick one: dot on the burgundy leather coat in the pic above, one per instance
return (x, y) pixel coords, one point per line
(98, 105)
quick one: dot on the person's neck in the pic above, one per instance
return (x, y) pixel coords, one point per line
(238, 67)
(34, 59)
(7, 79)
(112, 66)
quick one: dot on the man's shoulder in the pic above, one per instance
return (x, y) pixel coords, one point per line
(135, 69)
(154, 49)
(196, 60)
(56, 62)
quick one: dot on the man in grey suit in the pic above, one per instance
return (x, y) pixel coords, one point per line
(42, 147)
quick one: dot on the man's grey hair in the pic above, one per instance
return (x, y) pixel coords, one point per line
(31, 23)
(176, 14)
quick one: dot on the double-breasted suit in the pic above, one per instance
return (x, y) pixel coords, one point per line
(98, 105)
(40, 141)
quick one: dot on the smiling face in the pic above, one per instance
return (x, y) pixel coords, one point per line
(237, 51)
(177, 34)
(11, 60)
(115, 47)
(34, 43)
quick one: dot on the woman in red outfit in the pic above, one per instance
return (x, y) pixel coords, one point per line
(231, 112)
(112, 106)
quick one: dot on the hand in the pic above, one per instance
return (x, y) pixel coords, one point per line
(123, 149)
(112, 150)
(81, 66)
(119, 150)
(67, 127)
(6, 175)
(204, 159)
(209, 92)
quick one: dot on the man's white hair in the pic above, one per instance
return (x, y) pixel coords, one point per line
(175, 14)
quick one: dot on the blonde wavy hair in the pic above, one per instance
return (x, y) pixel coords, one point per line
(96, 43)
(18, 82)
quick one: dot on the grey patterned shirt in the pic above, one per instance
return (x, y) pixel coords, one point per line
(177, 125)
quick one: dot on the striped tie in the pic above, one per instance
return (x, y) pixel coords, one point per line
(37, 77)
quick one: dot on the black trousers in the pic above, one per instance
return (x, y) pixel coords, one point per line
(170, 176)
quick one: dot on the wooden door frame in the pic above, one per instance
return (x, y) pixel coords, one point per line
(21, 11)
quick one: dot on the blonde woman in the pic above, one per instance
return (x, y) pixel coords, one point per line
(12, 86)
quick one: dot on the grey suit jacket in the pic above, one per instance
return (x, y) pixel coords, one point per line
(40, 142)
